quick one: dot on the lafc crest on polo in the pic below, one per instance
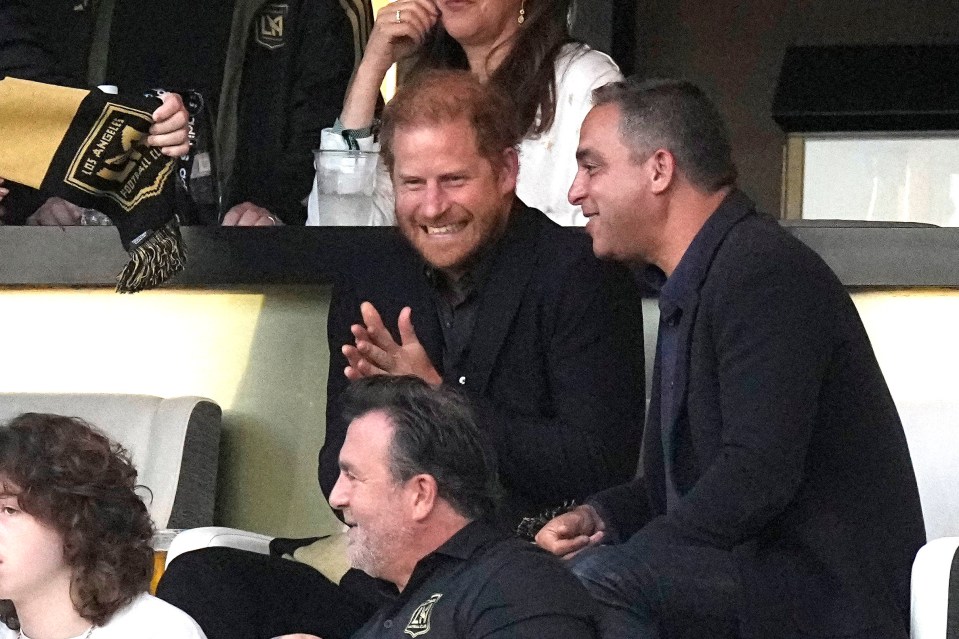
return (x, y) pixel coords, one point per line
(420, 620)
(115, 162)
(271, 25)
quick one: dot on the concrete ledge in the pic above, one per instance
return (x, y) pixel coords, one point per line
(862, 256)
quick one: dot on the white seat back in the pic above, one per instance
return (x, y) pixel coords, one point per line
(930, 590)
(932, 431)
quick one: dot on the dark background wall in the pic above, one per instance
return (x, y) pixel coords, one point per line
(734, 49)
(607, 25)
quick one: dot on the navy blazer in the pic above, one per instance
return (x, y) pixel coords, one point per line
(555, 365)
(788, 448)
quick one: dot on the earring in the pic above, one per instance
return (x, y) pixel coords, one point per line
(522, 13)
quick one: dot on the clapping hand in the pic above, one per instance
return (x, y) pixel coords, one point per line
(375, 352)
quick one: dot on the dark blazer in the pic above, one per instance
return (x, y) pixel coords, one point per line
(789, 451)
(555, 364)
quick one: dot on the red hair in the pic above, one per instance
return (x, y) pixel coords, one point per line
(435, 97)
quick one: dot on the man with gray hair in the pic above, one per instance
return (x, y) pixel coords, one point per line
(418, 488)
(777, 497)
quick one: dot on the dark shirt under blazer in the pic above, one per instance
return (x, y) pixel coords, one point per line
(555, 363)
(787, 447)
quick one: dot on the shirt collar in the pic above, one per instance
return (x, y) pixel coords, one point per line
(693, 266)
(469, 539)
(460, 547)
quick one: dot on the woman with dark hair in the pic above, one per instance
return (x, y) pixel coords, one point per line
(522, 45)
(75, 556)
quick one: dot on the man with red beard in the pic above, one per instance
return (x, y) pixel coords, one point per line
(418, 487)
(481, 292)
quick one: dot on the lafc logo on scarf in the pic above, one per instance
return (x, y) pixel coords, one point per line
(114, 160)
(270, 25)
(420, 620)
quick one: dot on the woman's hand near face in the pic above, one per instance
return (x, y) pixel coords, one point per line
(393, 40)
(390, 41)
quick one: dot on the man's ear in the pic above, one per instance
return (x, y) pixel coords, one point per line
(509, 169)
(423, 493)
(662, 170)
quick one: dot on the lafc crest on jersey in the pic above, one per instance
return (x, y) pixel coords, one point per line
(420, 620)
(271, 25)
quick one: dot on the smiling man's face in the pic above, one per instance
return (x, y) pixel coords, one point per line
(451, 201)
(615, 191)
(371, 499)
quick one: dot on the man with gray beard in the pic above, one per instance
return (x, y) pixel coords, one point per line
(418, 486)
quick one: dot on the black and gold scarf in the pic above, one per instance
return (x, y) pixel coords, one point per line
(90, 148)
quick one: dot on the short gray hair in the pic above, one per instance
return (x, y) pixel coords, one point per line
(677, 116)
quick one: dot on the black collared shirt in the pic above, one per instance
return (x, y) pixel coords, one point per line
(457, 305)
(486, 583)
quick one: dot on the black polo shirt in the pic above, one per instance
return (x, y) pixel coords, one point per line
(486, 583)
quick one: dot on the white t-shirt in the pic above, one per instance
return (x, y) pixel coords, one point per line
(145, 618)
(547, 163)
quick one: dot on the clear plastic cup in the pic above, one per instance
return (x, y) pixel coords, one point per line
(345, 181)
